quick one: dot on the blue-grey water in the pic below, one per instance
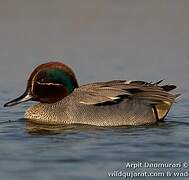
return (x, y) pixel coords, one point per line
(100, 40)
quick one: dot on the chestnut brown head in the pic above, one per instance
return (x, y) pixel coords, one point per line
(48, 83)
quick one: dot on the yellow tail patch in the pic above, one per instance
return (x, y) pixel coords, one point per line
(162, 109)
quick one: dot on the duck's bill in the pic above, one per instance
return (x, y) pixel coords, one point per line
(23, 98)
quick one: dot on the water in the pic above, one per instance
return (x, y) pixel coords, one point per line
(30, 151)
(101, 40)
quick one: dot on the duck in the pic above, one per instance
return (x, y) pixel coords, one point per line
(62, 101)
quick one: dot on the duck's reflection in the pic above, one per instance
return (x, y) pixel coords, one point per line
(45, 129)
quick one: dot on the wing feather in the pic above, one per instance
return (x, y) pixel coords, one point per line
(118, 90)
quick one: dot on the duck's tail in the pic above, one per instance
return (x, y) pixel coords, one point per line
(161, 109)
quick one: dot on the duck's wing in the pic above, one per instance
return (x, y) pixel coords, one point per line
(114, 92)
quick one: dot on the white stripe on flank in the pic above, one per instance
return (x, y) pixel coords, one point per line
(114, 98)
(128, 82)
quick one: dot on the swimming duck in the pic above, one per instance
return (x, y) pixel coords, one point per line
(111, 103)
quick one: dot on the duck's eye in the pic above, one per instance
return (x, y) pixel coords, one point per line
(42, 79)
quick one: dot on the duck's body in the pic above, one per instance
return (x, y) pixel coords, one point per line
(111, 103)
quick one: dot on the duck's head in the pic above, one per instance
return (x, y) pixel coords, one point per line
(48, 83)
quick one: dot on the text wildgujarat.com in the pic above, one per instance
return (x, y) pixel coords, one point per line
(134, 174)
